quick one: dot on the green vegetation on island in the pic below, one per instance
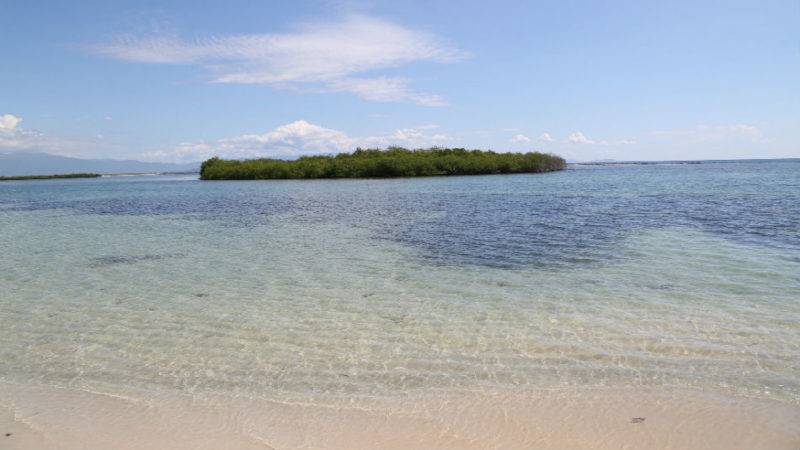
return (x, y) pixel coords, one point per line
(50, 177)
(375, 163)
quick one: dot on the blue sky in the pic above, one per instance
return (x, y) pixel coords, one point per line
(176, 81)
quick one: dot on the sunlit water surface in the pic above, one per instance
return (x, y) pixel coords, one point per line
(657, 275)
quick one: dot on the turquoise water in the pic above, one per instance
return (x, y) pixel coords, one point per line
(633, 275)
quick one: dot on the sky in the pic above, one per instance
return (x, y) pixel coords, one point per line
(184, 81)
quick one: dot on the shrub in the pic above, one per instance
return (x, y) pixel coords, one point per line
(375, 163)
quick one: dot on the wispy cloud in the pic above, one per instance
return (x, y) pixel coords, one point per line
(295, 139)
(581, 139)
(320, 56)
(385, 89)
(717, 133)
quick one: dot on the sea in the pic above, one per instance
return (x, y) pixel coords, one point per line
(657, 276)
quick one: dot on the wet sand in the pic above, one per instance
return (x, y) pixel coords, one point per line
(55, 418)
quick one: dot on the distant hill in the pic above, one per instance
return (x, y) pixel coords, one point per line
(29, 163)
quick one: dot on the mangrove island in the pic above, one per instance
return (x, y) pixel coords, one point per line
(50, 177)
(390, 163)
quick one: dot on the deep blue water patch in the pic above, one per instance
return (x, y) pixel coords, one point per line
(547, 220)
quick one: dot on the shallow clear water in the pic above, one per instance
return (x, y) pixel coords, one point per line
(656, 275)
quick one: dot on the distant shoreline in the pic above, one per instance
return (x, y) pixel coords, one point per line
(391, 163)
(147, 174)
(679, 161)
(91, 175)
(50, 177)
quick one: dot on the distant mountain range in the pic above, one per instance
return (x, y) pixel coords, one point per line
(29, 163)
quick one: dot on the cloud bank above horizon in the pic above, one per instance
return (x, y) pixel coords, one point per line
(295, 139)
(301, 138)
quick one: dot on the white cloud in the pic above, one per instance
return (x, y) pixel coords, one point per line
(296, 139)
(579, 138)
(718, 133)
(520, 138)
(16, 138)
(545, 137)
(293, 139)
(322, 56)
(8, 123)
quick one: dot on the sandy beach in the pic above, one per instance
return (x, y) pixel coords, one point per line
(35, 418)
